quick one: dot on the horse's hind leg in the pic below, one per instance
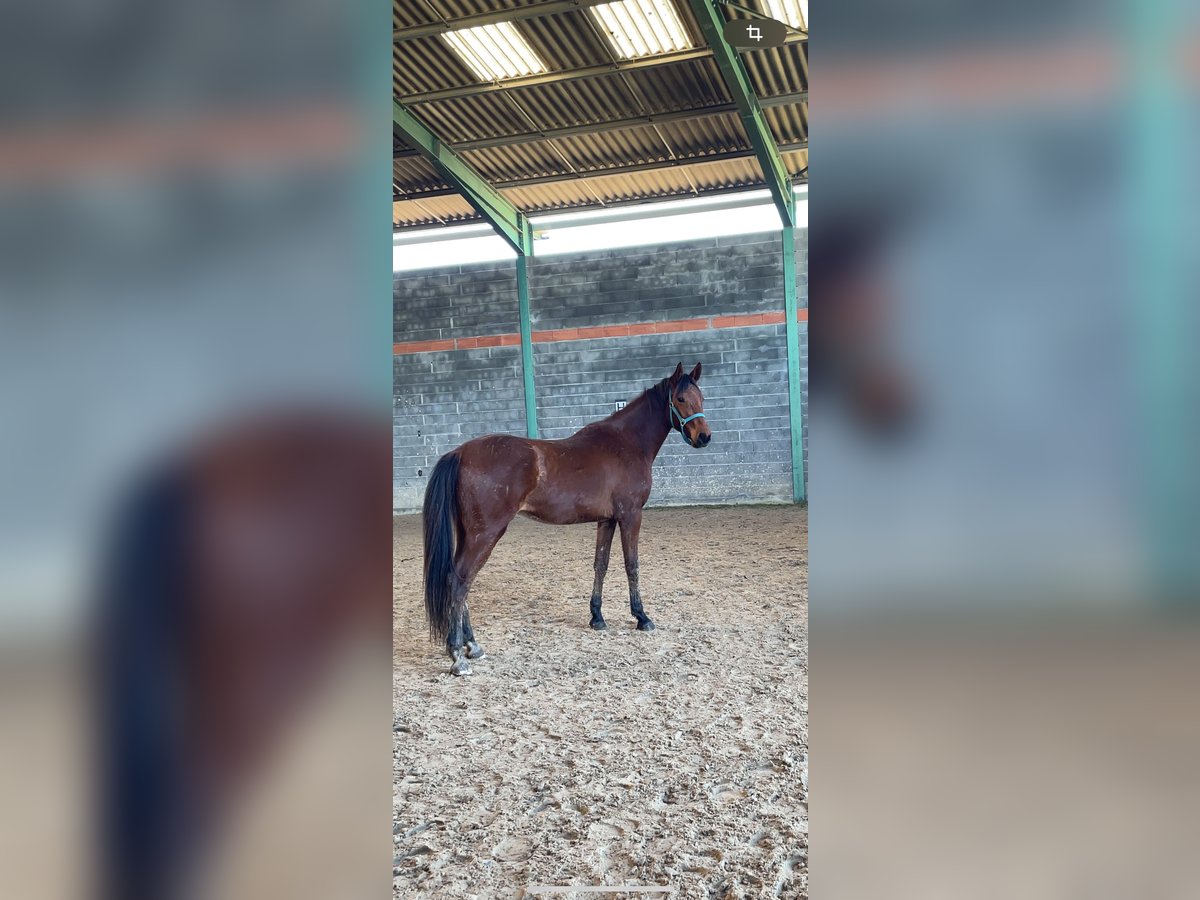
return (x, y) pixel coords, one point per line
(454, 640)
(474, 650)
(472, 553)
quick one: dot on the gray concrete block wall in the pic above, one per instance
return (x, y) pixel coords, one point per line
(746, 405)
(742, 273)
(454, 301)
(445, 397)
(442, 398)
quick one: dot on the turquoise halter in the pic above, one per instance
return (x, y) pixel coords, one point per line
(682, 421)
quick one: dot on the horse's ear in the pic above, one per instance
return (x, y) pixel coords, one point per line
(677, 374)
(695, 376)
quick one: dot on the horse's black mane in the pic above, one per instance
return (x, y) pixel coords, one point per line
(662, 390)
(657, 393)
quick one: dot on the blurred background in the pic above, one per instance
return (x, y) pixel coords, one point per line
(1005, 553)
(194, 378)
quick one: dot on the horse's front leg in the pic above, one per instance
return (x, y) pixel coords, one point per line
(630, 527)
(604, 536)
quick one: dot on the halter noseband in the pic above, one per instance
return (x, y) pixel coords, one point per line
(675, 416)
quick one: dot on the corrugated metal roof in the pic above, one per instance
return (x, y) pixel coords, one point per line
(407, 13)
(521, 161)
(582, 163)
(566, 41)
(597, 191)
(448, 210)
(606, 150)
(788, 123)
(682, 85)
(413, 175)
(462, 119)
(777, 70)
(705, 135)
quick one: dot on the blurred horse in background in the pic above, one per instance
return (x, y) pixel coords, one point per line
(236, 575)
(853, 334)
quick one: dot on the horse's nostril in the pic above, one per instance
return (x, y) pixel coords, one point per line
(705, 439)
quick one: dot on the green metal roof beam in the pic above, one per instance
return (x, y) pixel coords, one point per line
(737, 82)
(509, 221)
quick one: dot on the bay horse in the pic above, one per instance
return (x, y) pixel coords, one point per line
(599, 474)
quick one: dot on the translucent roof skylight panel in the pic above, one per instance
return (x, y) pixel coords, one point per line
(495, 52)
(640, 28)
(793, 12)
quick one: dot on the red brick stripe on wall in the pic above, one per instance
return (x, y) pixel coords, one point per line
(421, 347)
(598, 331)
(669, 327)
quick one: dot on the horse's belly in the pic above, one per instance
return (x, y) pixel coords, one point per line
(564, 510)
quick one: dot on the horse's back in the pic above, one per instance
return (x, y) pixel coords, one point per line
(500, 452)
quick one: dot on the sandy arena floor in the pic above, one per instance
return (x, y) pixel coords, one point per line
(677, 757)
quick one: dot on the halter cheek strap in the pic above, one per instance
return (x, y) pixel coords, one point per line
(678, 421)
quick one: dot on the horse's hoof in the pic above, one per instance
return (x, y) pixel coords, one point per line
(599, 625)
(645, 625)
(474, 651)
(460, 667)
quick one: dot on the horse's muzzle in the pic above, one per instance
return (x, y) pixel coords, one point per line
(702, 440)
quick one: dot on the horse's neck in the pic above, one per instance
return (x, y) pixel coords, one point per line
(651, 422)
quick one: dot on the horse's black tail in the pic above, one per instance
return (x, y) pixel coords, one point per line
(441, 523)
(141, 640)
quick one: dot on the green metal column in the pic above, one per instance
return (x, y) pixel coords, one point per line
(795, 408)
(1162, 302)
(531, 428)
(758, 130)
(712, 24)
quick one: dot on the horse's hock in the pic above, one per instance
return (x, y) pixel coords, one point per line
(577, 756)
